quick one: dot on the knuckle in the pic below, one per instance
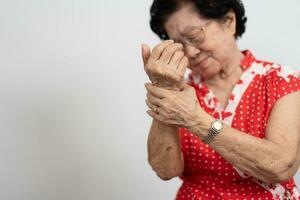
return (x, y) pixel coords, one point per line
(179, 77)
(178, 45)
(167, 52)
(157, 48)
(180, 53)
(171, 48)
(184, 62)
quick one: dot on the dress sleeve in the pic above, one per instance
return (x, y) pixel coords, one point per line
(286, 80)
(280, 82)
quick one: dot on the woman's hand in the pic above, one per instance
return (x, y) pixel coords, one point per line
(180, 108)
(166, 64)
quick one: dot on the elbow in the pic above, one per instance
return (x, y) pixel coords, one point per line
(167, 172)
(165, 177)
(283, 175)
(280, 172)
(168, 175)
(278, 178)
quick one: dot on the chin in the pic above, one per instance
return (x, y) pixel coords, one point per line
(208, 73)
(207, 76)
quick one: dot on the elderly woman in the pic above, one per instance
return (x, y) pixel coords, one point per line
(232, 130)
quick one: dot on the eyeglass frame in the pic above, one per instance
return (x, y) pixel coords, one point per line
(187, 41)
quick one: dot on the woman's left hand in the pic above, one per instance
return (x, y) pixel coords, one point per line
(180, 108)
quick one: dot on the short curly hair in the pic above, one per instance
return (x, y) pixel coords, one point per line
(211, 9)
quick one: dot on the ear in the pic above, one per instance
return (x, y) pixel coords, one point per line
(230, 22)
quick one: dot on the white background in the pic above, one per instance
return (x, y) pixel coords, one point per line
(73, 124)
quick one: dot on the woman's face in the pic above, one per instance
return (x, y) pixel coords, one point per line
(211, 55)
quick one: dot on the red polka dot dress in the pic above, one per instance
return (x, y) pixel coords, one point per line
(207, 175)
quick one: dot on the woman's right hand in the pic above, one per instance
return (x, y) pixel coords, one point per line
(166, 64)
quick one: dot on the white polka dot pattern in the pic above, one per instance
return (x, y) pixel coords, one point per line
(207, 175)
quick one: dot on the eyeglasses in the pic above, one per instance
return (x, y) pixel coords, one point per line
(196, 36)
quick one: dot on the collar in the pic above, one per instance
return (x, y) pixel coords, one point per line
(248, 60)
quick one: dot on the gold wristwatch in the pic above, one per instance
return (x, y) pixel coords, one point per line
(215, 128)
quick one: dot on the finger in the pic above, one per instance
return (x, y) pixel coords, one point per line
(160, 118)
(183, 65)
(154, 115)
(176, 58)
(157, 50)
(151, 105)
(157, 91)
(169, 52)
(153, 100)
(145, 53)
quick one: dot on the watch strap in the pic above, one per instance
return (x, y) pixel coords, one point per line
(212, 133)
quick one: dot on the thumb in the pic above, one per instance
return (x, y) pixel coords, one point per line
(145, 53)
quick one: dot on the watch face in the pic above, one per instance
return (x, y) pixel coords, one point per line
(218, 125)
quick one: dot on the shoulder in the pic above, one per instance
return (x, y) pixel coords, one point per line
(275, 80)
(270, 69)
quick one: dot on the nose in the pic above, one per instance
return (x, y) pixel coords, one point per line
(191, 51)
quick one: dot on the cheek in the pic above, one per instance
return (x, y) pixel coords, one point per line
(215, 65)
(219, 51)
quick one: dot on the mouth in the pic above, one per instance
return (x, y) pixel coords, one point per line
(202, 63)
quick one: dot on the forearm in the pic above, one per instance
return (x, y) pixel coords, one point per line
(164, 152)
(256, 157)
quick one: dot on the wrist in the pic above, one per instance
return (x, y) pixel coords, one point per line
(168, 85)
(202, 124)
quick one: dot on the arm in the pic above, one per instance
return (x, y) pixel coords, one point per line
(164, 149)
(164, 152)
(273, 159)
(165, 66)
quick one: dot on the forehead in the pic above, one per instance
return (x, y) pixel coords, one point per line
(184, 20)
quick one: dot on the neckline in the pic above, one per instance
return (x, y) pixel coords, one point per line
(245, 63)
(211, 99)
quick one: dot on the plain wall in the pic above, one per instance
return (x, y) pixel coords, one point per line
(73, 122)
